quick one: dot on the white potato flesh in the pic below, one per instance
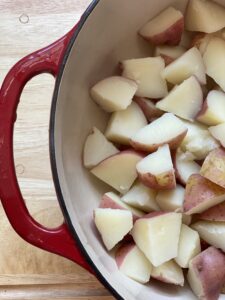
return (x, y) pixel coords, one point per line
(161, 131)
(189, 246)
(214, 60)
(204, 16)
(169, 272)
(114, 93)
(211, 232)
(194, 282)
(189, 64)
(135, 265)
(112, 224)
(198, 140)
(156, 163)
(125, 123)
(213, 112)
(171, 51)
(218, 132)
(97, 148)
(118, 171)
(206, 274)
(185, 100)
(185, 167)
(147, 73)
(153, 236)
(161, 22)
(112, 200)
(141, 197)
(171, 200)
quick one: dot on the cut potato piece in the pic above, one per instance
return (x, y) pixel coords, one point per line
(198, 141)
(213, 111)
(169, 53)
(114, 93)
(218, 132)
(171, 200)
(118, 171)
(149, 109)
(185, 100)
(166, 28)
(200, 151)
(125, 123)
(156, 170)
(141, 197)
(168, 129)
(211, 232)
(194, 130)
(204, 16)
(189, 246)
(214, 60)
(215, 213)
(213, 167)
(169, 272)
(97, 148)
(206, 274)
(201, 194)
(112, 224)
(147, 73)
(184, 167)
(201, 40)
(133, 263)
(152, 234)
(189, 64)
(113, 201)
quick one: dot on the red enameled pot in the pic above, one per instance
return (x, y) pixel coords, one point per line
(105, 35)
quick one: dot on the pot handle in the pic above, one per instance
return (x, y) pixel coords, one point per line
(58, 240)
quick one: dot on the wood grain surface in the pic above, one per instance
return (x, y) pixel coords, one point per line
(25, 271)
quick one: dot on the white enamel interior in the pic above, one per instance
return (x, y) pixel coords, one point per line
(108, 36)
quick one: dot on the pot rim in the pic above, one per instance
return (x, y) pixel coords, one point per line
(52, 150)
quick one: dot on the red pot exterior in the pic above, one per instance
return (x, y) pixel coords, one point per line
(59, 240)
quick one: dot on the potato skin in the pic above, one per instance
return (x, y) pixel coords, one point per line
(122, 253)
(201, 117)
(168, 278)
(150, 111)
(209, 267)
(173, 143)
(199, 189)
(164, 181)
(171, 36)
(107, 202)
(215, 213)
(178, 177)
(213, 167)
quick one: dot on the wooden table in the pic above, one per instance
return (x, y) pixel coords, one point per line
(25, 271)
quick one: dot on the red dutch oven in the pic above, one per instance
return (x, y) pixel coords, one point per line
(106, 34)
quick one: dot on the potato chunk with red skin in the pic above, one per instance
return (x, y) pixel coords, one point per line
(201, 194)
(166, 28)
(206, 274)
(213, 167)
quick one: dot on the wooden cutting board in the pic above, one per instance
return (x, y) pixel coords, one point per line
(25, 271)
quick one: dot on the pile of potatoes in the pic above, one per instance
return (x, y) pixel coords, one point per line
(162, 153)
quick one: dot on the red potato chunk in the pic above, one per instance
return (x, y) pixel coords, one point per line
(166, 28)
(206, 274)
